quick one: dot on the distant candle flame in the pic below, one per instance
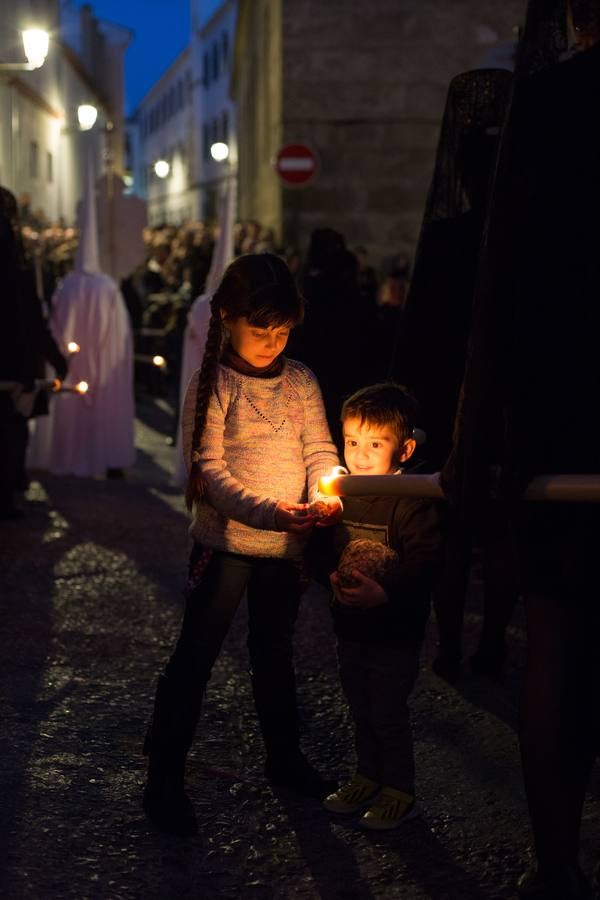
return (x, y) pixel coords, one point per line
(56, 385)
(159, 361)
(73, 347)
(82, 387)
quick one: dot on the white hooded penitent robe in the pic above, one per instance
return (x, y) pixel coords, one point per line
(198, 319)
(88, 434)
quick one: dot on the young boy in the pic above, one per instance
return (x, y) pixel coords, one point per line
(380, 624)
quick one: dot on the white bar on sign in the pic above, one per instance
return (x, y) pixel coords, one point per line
(296, 164)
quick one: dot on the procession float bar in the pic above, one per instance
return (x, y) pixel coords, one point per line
(555, 488)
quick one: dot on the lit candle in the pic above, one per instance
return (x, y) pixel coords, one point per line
(82, 387)
(73, 347)
(159, 361)
(326, 481)
(381, 485)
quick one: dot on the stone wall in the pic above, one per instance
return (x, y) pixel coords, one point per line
(257, 88)
(364, 83)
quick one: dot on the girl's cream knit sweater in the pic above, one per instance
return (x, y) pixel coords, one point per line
(265, 440)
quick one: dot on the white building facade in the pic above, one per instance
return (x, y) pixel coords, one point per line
(166, 133)
(213, 51)
(182, 116)
(42, 150)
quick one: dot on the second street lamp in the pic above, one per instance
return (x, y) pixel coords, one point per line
(86, 116)
(162, 168)
(219, 151)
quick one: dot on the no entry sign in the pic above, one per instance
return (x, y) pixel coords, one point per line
(296, 164)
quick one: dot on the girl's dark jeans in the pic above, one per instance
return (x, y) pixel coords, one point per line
(218, 581)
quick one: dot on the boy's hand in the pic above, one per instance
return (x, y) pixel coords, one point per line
(294, 517)
(366, 595)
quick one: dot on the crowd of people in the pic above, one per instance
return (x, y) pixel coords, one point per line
(505, 377)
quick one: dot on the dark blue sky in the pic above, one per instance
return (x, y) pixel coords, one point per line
(162, 30)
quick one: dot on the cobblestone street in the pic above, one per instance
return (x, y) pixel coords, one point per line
(91, 583)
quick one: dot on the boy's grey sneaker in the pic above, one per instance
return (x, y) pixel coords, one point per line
(352, 796)
(390, 809)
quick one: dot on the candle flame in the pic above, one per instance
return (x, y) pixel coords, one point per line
(159, 361)
(82, 387)
(326, 481)
(73, 347)
(56, 385)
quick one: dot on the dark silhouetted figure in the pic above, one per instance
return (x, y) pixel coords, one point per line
(529, 402)
(433, 344)
(336, 337)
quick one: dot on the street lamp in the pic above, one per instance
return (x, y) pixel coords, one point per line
(86, 116)
(35, 45)
(219, 151)
(162, 168)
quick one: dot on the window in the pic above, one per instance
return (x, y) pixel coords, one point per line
(215, 61)
(225, 49)
(179, 94)
(49, 167)
(33, 159)
(206, 70)
(205, 141)
(215, 131)
(225, 128)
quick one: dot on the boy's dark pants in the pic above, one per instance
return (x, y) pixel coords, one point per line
(273, 590)
(377, 681)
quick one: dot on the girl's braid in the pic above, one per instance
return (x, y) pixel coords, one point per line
(206, 381)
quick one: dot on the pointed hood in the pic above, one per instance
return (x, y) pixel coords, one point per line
(223, 249)
(87, 258)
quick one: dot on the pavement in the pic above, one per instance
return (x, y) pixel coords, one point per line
(91, 582)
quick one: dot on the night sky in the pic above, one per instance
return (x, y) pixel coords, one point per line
(162, 30)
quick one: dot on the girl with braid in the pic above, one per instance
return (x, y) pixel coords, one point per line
(256, 440)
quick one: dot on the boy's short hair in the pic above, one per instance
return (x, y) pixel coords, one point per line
(383, 404)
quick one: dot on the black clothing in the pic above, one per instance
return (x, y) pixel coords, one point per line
(430, 355)
(218, 581)
(336, 338)
(377, 681)
(13, 334)
(533, 376)
(411, 528)
(41, 348)
(532, 379)
(431, 352)
(378, 648)
(25, 345)
(434, 337)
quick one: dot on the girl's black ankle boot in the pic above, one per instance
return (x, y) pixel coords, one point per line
(165, 800)
(168, 739)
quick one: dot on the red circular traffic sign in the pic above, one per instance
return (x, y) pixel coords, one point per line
(296, 164)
